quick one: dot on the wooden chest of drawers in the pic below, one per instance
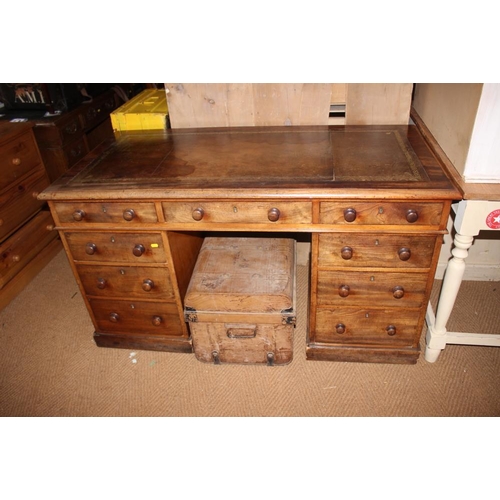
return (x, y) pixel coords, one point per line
(27, 239)
(372, 201)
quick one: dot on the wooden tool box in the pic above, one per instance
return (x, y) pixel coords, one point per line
(240, 302)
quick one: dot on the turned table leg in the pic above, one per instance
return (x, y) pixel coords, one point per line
(436, 333)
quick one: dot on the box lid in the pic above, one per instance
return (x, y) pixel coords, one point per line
(235, 274)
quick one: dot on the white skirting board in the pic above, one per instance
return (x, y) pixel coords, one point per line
(473, 272)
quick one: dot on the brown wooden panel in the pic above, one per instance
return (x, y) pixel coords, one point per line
(366, 326)
(375, 250)
(116, 247)
(352, 288)
(82, 213)
(136, 317)
(126, 281)
(378, 103)
(193, 105)
(383, 213)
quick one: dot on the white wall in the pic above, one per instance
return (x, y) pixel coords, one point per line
(483, 158)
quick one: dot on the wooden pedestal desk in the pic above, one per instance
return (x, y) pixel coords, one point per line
(372, 200)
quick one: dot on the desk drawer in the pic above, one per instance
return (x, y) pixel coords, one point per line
(24, 245)
(17, 158)
(381, 213)
(109, 213)
(351, 288)
(19, 202)
(126, 281)
(136, 317)
(279, 212)
(372, 250)
(137, 248)
(392, 327)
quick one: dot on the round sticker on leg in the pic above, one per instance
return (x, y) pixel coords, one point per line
(493, 219)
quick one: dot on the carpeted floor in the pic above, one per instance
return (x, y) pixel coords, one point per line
(51, 367)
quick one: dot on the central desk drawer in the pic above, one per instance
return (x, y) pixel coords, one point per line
(372, 250)
(279, 212)
(136, 317)
(126, 281)
(137, 248)
(105, 212)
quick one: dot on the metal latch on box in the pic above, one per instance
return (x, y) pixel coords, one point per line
(287, 319)
(190, 314)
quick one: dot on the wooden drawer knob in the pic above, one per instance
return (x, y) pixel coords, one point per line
(350, 215)
(72, 128)
(90, 248)
(16, 161)
(404, 253)
(412, 215)
(138, 250)
(346, 253)
(79, 215)
(157, 321)
(128, 214)
(101, 283)
(198, 213)
(398, 292)
(340, 328)
(391, 330)
(147, 285)
(114, 317)
(273, 215)
(344, 290)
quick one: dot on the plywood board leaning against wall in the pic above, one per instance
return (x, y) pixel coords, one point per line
(194, 105)
(378, 103)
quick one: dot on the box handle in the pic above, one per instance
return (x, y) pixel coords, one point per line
(241, 331)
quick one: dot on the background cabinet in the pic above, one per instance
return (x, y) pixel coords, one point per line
(65, 139)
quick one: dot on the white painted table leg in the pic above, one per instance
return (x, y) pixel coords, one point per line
(436, 333)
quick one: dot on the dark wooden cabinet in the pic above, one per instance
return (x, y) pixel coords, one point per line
(372, 200)
(65, 139)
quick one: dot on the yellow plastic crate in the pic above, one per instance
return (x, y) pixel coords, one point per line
(148, 110)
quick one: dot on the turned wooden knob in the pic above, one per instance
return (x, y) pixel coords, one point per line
(114, 317)
(16, 161)
(90, 248)
(344, 290)
(346, 253)
(412, 215)
(147, 285)
(404, 253)
(350, 215)
(340, 328)
(198, 214)
(273, 214)
(391, 330)
(398, 292)
(101, 283)
(138, 250)
(78, 215)
(128, 214)
(157, 321)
